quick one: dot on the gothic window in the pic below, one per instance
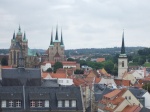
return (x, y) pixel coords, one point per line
(122, 63)
(14, 57)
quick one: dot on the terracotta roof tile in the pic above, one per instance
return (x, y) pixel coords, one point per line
(132, 108)
(58, 75)
(100, 59)
(121, 82)
(113, 93)
(6, 66)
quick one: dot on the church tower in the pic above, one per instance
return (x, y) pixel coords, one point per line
(122, 60)
(56, 48)
(17, 41)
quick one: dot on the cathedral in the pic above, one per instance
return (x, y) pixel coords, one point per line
(19, 45)
(56, 48)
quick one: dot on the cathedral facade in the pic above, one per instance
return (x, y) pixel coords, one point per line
(19, 45)
(56, 48)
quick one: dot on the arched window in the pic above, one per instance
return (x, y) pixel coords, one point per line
(122, 63)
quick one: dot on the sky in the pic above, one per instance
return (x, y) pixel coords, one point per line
(84, 23)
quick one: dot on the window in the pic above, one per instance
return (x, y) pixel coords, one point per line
(39, 103)
(11, 103)
(18, 103)
(32, 103)
(3, 104)
(60, 81)
(66, 103)
(122, 63)
(46, 103)
(67, 81)
(125, 97)
(129, 97)
(73, 103)
(59, 103)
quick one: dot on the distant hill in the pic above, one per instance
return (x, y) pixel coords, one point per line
(88, 51)
(101, 51)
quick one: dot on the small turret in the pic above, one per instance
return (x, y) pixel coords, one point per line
(61, 43)
(56, 37)
(14, 36)
(51, 42)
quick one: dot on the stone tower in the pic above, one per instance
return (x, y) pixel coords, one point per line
(122, 60)
(56, 48)
(14, 52)
(19, 46)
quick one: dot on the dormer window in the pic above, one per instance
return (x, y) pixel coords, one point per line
(11, 103)
(73, 103)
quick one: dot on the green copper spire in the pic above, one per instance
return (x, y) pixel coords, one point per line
(61, 43)
(19, 31)
(51, 43)
(14, 36)
(56, 37)
(123, 46)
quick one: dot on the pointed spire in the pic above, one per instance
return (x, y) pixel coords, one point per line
(51, 43)
(24, 38)
(123, 46)
(56, 37)
(19, 29)
(14, 35)
(61, 43)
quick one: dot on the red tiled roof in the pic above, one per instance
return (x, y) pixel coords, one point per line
(113, 93)
(83, 81)
(100, 59)
(44, 74)
(132, 108)
(6, 66)
(120, 82)
(58, 75)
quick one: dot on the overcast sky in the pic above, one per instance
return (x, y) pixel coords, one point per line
(85, 23)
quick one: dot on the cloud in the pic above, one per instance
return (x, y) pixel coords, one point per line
(85, 23)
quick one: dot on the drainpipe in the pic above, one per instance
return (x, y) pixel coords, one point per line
(24, 99)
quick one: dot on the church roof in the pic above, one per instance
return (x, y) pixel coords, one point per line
(31, 52)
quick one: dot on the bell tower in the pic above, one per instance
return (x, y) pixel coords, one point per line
(122, 60)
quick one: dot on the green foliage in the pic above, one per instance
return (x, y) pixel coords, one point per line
(95, 65)
(57, 65)
(109, 66)
(78, 71)
(49, 70)
(4, 61)
(146, 64)
(146, 87)
(70, 59)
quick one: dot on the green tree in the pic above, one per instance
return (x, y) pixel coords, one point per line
(78, 71)
(57, 65)
(70, 59)
(109, 66)
(146, 87)
(4, 61)
(49, 70)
